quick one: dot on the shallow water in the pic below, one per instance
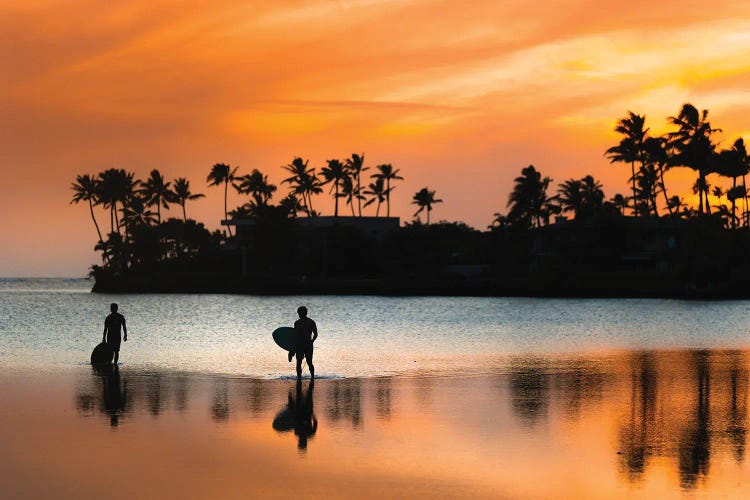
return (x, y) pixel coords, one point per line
(420, 397)
(648, 424)
(53, 324)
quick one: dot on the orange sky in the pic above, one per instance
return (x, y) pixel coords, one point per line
(458, 95)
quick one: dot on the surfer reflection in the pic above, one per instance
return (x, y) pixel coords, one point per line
(114, 393)
(298, 416)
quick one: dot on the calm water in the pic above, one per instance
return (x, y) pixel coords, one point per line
(421, 397)
(53, 324)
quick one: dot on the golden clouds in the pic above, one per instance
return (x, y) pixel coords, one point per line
(434, 84)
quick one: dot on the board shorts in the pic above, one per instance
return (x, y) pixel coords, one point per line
(115, 346)
(304, 350)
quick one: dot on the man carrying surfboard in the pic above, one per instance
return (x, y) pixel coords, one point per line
(303, 328)
(112, 326)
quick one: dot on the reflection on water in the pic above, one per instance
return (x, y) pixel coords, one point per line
(298, 415)
(650, 411)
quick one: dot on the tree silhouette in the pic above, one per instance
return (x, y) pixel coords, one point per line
(377, 192)
(528, 201)
(334, 173)
(304, 182)
(657, 153)
(693, 146)
(424, 199)
(182, 194)
(356, 165)
(222, 173)
(349, 192)
(115, 186)
(86, 188)
(387, 173)
(620, 202)
(630, 148)
(734, 163)
(257, 186)
(157, 192)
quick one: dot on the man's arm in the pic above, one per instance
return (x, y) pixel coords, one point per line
(124, 329)
(315, 330)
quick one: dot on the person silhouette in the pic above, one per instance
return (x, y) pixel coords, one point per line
(305, 423)
(111, 334)
(298, 416)
(303, 348)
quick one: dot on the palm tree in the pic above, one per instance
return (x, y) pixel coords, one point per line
(257, 186)
(115, 186)
(304, 182)
(630, 148)
(387, 173)
(693, 146)
(356, 165)
(378, 193)
(182, 194)
(157, 192)
(86, 188)
(528, 201)
(500, 221)
(424, 199)
(647, 179)
(657, 153)
(137, 213)
(348, 192)
(621, 202)
(290, 205)
(734, 163)
(570, 196)
(221, 173)
(334, 173)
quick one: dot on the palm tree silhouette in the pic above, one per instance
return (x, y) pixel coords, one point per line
(157, 192)
(349, 192)
(378, 193)
(356, 165)
(528, 201)
(570, 196)
(387, 173)
(693, 146)
(290, 205)
(221, 173)
(257, 186)
(424, 199)
(630, 148)
(304, 182)
(621, 202)
(86, 188)
(115, 186)
(647, 179)
(656, 150)
(334, 173)
(137, 213)
(734, 163)
(182, 194)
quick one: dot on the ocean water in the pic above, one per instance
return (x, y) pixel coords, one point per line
(52, 324)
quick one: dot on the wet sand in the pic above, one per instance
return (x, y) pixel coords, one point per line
(633, 424)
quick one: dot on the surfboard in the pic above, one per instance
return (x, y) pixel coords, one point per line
(284, 337)
(102, 354)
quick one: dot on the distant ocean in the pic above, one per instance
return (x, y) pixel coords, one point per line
(54, 324)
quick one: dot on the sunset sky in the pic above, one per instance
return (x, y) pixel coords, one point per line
(458, 95)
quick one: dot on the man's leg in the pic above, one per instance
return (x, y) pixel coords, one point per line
(299, 364)
(309, 356)
(117, 356)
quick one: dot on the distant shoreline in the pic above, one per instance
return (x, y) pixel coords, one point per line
(659, 287)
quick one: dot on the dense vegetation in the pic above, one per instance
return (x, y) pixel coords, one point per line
(647, 242)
